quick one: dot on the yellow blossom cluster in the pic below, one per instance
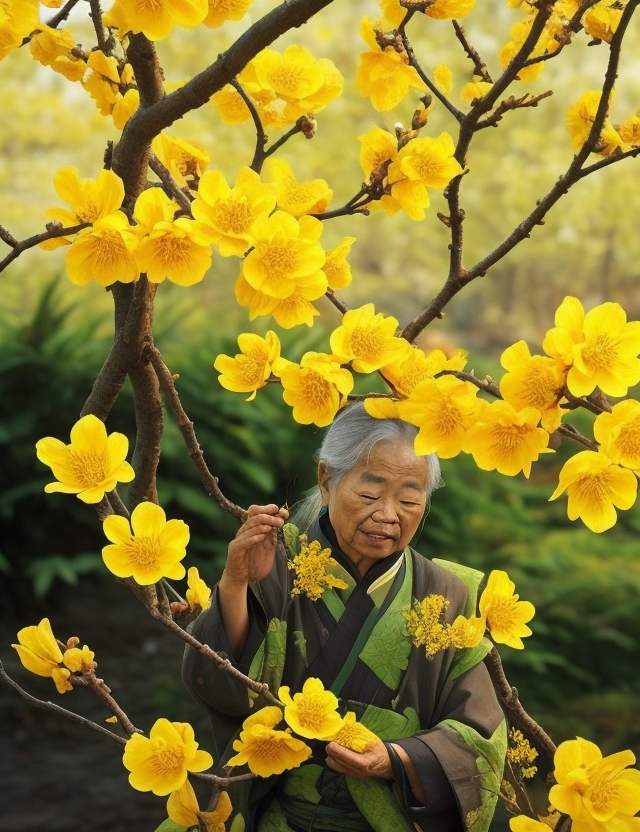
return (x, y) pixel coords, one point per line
(502, 614)
(521, 754)
(282, 88)
(597, 793)
(313, 714)
(41, 653)
(311, 567)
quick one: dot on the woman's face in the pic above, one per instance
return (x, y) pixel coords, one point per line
(376, 508)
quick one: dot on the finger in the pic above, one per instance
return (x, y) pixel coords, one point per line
(271, 509)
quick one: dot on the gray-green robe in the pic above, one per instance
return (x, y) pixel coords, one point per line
(441, 709)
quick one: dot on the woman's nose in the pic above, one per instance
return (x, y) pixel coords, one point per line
(386, 512)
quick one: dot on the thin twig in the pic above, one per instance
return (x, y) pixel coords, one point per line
(480, 68)
(56, 230)
(339, 305)
(442, 98)
(96, 18)
(261, 136)
(63, 14)
(171, 186)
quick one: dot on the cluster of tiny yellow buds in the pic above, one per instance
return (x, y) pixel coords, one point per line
(311, 568)
(424, 626)
(521, 753)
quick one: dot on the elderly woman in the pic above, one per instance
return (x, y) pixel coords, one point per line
(438, 763)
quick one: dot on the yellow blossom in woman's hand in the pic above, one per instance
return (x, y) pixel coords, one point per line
(311, 713)
(384, 74)
(185, 161)
(265, 750)
(286, 254)
(354, 735)
(443, 409)
(506, 617)
(366, 339)
(250, 369)
(316, 388)
(618, 433)
(153, 19)
(198, 593)
(159, 763)
(596, 487)
(105, 252)
(598, 793)
(147, 548)
(298, 198)
(506, 439)
(79, 660)
(579, 121)
(311, 566)
(222, 10)
(428, 161)
(92, 464)
(227, 214)
(601, 20)
(533, 381)
(90, 199)
(336, 268)
(183, 809)
(377, 147)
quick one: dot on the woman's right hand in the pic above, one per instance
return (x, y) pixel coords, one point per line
(252, 551)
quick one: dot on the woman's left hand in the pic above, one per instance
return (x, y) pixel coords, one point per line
(374, 762)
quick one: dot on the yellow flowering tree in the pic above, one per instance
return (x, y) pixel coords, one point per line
(161, 208)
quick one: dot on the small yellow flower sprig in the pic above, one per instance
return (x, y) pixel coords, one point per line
(311, 568)
(521, 754)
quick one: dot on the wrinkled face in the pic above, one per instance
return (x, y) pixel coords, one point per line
(376, 508)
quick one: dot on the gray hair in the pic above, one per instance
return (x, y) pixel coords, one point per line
(350, 438)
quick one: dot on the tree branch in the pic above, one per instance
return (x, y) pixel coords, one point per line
(54, 230)
(479, 66)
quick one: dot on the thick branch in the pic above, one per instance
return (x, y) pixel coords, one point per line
(149, 426)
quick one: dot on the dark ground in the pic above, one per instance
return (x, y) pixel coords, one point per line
(57, 775)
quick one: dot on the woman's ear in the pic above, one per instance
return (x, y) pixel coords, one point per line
(323, 479)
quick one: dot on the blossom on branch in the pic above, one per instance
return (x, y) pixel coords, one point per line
(105, 252)
(316, 388)
(40, 653)
(18, 18)
(146, 548)
(250, 369)
(222, 10)
(298, 198)
(153, 19)
(159, 763)
(596, 487)
(198, 594)
(265, 750)
(89, 199)
(92, 464)
(580, 118)
(618, 433)
(336, 268)
(312, 712)
(186, 162)
(505, 615)
(183, 809)
(533, 381)
(366, 340)
(601, 20)
(53, 47)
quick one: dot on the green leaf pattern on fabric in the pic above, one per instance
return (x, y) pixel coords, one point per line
(301, 643)
(378, 804)
(389, 645)
(471, 578)
(275, 647)
(291, 536)
(390, 725)
(490, 762)
(301, 782)
(238, 824)
(273, 820)
(466, 659)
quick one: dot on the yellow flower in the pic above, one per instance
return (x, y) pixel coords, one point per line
(608, 356)
(173, 249)
(316, 388)
(286, 254)
(311, 568)
(412, 367)
(228, 213)
(449, 9)
(90, 199)
(40, 653)
(185, 161)
(560, 341)
(428, 161)
(311, 713)
(424, 625)
(384, 75)
(183, 809)
(378, 147)
(124, 108)
(596, 487)
(618, 433)
(18, 18)
(533, 381)
(354, 735)
(153, 19)
(149, 548)
(52, 47)
(601, 20)
(198, 593)
(366, 339)
(443, 409)
(475, 90)
(298, 198)
(336, 269)
(579, 121)
(522, 823)
(104, 253)
(91, 464)
(79, 660)
(406, 195)
(467, 632)
(250, 369)
(506, 439)
(598, 793)
(521, 754)
(265, 750)
(629, 131)
(443, 78)
(505, 615)
(159, 763)
(223, 10)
